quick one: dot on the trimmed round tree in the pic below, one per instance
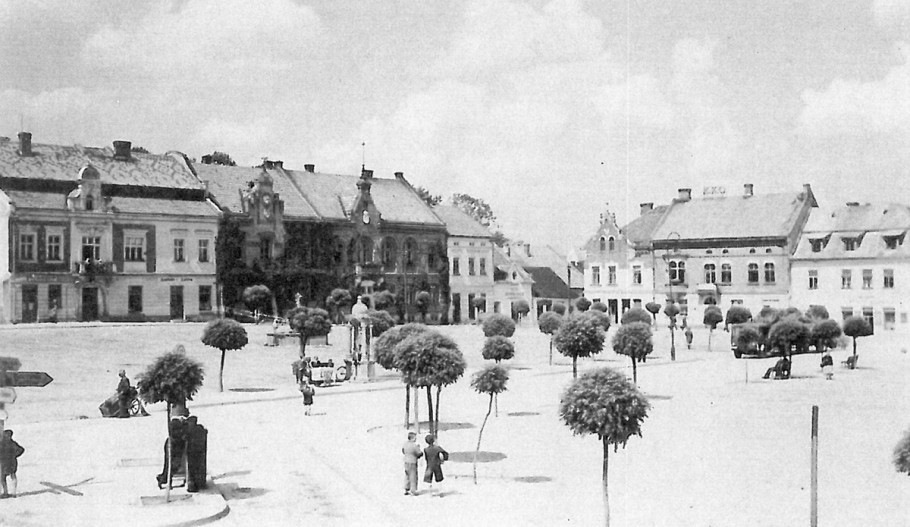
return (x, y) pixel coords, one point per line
(901, 454)
(747, 340)
(224, 334)
(855, 327)
(713, 317)
(786, 333)
(498, 348)
(549, 323)
(654, 309)
(309, 322)
(257, 297)
(422, 304)
(634, 341)
(428, 359)
(521, 308)
(582, 304)
(579, 336)
(380, 321)
(824, 334)
(636, 314)
(498, 324)
(480, 304)
(599, 317)
(599, 306)
(817, 312)
(559, 309)
(337, 300)
(737, 315)
(490, 380)
(384, 300)
(604, 403)
(385, 349)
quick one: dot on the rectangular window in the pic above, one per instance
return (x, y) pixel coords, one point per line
(134, 249)
(135, 299)
(890, 318)
(846, 312)
(91, 247)
(710, 273)
(611, 275)
(846, 279)
(867, 278)
(867, 314)
(265, 250)
(483, 267)
(817, 245)
(813, 279)
(54, 247)
(595, 275)
(726, 273)
(891, 242)
(205, 298)
(27, 247)
(849, 244)
(769, 272)
(888, 281)
(456, 271)
(203, 251)
(636, 274)
(753, 273)
(471, 271)
(179, 250)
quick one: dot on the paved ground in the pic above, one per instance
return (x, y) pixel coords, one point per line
(716, 450)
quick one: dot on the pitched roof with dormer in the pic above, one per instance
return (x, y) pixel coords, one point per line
(640, 230)
(225, 183)
(869, 226)
(459, 224)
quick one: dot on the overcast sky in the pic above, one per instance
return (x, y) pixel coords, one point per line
(547, 110)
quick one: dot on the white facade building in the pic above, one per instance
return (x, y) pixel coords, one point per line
(5, 293)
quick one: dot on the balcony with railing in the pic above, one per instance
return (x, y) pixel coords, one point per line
(93, 270)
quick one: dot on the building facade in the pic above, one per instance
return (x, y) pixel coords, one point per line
(5, 275)
(110, 234)
(304, 232)
(471, 270)
(853, 260)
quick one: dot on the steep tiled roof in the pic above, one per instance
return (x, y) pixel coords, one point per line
(63, 163)
(639, 230)
(460, 224)
(867, 224)
(54, 200)
(225, 184)
(865, 217)
(758, 216)
(546, 256)
(547, 284)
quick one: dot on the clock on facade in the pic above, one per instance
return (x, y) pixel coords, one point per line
(366, 216)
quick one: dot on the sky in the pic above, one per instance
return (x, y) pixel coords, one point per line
(553, 112)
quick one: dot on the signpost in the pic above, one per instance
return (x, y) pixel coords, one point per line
(10, 376)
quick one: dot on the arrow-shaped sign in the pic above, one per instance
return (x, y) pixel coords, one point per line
(25, 378)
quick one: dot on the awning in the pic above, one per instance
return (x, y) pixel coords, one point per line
(707, 288)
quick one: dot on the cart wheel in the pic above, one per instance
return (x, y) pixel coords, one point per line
(341, 373)
(135, 408)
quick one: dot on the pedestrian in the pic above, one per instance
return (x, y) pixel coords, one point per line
(827, 366)
(412, 453)
(689, 337)
(435, 455)
(308, 391)
(124, 394)
(10, 451)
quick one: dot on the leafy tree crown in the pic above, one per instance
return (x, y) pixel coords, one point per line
(633, 340)
(381, 321)
(857, 327)
(636, 314)
(490, 379)
(429, 358)
(787, 332)
(604, 402)
(310, 321)
(652, 307)
(738, 315)
(224, 334)
(549, 322)
(579, 336)
(902, 454)
(257, 296)
(713, 317)
(559, 309)
(521, 307)
(475, 208)
(671, 310)
(385, 346)
(498, 324)
(599, 317)
(599, 306)
(582, 304)
(748, 337)
(498, 348)
(818, 312)
(422, 300)
(173, 377)
(825, 333)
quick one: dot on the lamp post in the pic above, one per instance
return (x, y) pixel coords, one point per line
(673, 238)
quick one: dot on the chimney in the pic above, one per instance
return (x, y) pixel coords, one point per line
(366, 174)
(25, 144)
(747, 192)
(122, 150)
(685, 194)
(646, 207)
(310, 168)
(399, 175)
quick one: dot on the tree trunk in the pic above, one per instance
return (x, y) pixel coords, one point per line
(672, 344)
(710, 334)
(480, 434)
(854, 350)
(551, 350)
(407, 406)
(431, 424)
(574, 368)
(274, 307)
(221, 373)
(417, 409)
(634, 370)
(167, 474)
(606, 446)
(436, 417)
(302, 346)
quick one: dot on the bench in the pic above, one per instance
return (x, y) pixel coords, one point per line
(850, 362)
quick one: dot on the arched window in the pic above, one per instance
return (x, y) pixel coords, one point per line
(769, 272)
(389, 252)
(366, 250)
(710, 273)
(677, 271)
(89, 203)
(726, 273)
(603, 243)
(611, 244)
(410, 252)
(753, 273)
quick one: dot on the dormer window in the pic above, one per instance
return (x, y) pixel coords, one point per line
(611, 244)
(850, 244)
(817, 245)
(603, 243)
(892, 242)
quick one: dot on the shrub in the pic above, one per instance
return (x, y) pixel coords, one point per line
(498, 348)
(636, 314)
(383, 300)
(582, 304)
(634, 341)
(599, 306)
(498, 324)
(381, 321)
(422, 303)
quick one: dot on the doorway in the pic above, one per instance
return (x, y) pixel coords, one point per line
(176, 302)
(89, 303)
(30, 303)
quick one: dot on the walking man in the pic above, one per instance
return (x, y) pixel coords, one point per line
(411, 453)
(436, 455)
(9, 454)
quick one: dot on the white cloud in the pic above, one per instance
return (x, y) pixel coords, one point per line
(892, 13)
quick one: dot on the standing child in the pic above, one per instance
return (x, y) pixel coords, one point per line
(9, 454)
(827, 366)
(308, 391)
(435, 456)
(689, 338)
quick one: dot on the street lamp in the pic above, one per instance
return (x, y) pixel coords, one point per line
(672, 238)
